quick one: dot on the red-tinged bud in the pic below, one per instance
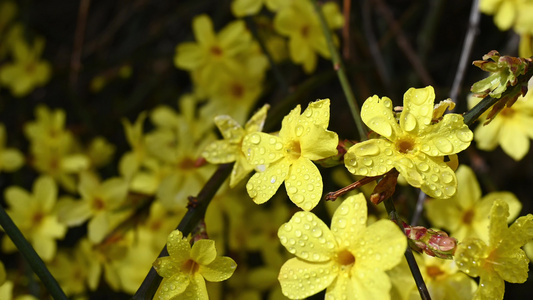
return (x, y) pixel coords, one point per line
(429, 241)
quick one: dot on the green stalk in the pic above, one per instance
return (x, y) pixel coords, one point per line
(31, 256)
(338, 66)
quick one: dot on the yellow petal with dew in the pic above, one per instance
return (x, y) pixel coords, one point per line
(491, 286)
(289, 123)
(349, 220)
(449, 136)
(220, 269)
(172, 287)
(300, 279)
(377, 115)
(316, 113)
(257, 121)
(499, 214)
(196, 290)
(204, 252)
(521, 232)
(512, 266)
(166, 267)
(417, 109)
(343, 288)
(304, 184)
(262, 148)
(371, 284)
(307, 237)
(470, 255)
(231, 130)
(433, 176)
(241, 169)
(178, 247)
(318, 143)
(263, 185)
(381, 247)
(370, 158)
(221, 152)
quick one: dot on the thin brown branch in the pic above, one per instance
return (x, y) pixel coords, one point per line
(79, 35)
(332, 196)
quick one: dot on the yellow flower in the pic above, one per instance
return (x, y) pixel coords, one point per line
(512, 129)
(213, 53)
(185, 269)
(415, 147)
(229, 149)
(300, 23)
(69, 270)
(442, 277)
(502, 259)
(241, 8)
(287, 157)
(465, 214)
(27, 71)
(99, 203)
(10, 158)
(349, 260)
(35, 216)
(510, 13)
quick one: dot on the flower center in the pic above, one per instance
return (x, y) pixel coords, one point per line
(187, 164)
(405, 145)
(468, 216)
(293, 150)
(345, 258)
(237, 90)
(304, 31)
(190, 266)
(216, 51)
(434, 271)
(98, 204)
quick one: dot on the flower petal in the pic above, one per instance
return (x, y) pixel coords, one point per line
(514, 141)
(449, 136)
(172, 287)
(261, 148)
(381, 247)
(304, 184)
(220, 269)
(377, 115)
(371, 284)
(300, 279)
(491, 286)
(370, 158)
(512, 266)
(349, 220)
(318, 143)
(203, 30)
(316, 113)
(470, 255)
(498, 230)
(263, 185)
(417, 109)
(343, 288)
(221, 152)
(166, 267)
(257, 121)
(307, 237)
(178, 247)
(196, 290)
(203, 252)
(45, 192)
(230, 129)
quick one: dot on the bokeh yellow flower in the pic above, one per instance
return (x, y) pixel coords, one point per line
(416, 147)
(288, 156)
(501, 259)
(230, 148)
(349, 260)
(185, 270)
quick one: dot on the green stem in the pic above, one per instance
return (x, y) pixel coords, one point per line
(473, 114)
(338, 66)
(411, 261)
(31, 256)
(194, 214)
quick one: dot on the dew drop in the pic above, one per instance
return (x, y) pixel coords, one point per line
(447, 177)
(422, 166)
(255, 138)
(273, 179)
(299, 130)
(444, 145)
(409, 122)
(381, 126)
(465, 135)
(366, 149)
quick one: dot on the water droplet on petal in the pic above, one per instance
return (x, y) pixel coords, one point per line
(299, 130)
(422, 166)
(255, 138)
(409, 122)
(381, 126)
(465, 135)
(444, 145)
(366, 149)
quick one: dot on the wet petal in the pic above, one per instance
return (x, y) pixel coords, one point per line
(371, 284)
(433, 176)
(512, 266)
(470, 255)
(498, 230)
(304, 184)
(166, 267)
(377, 115)
(343, 288)
(178, 247)
(221, 152)
(316, 113)
(231, 130)
(257, 121)
(307, 237)
(349, 220)
(449, 136)
(203, 252)
(381, 247)
(289, 123)
(417, 109)
(262, 148)
(370, 158)
(318, 143)
(491, 286)
(300, 279)
(263, 185)
(220, 269)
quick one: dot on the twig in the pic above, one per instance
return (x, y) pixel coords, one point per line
(194, 214)
(347, 4)
(75, 60)
(332, 196)
(473, 24)
(373, 45)
(31, 256)
(418, 208)
(404, 44)
(338, 66)
(273, 66)
(415, 271)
